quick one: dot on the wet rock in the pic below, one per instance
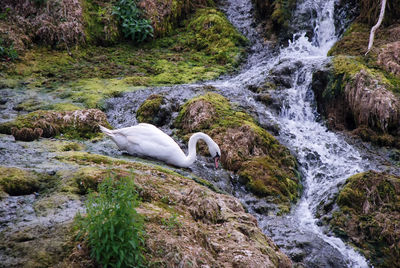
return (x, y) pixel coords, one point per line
(15, 181)
(282, 75)
(368, 216)
(266, 167)
(154, 110)
(363, 104)
(73, 124)
(187, 222)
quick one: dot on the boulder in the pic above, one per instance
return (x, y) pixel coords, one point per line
(264, 165)
(73, 124)
(368, 216)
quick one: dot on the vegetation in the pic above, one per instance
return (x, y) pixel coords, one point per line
(150, 110)
(114, 229)
(368, 216)
(7, 52)
(134, 26)
(16, 181)
(265, 166)
(78, 124)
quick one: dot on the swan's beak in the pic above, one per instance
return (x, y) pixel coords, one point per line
(216, 161)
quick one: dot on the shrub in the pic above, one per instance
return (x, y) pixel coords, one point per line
(134, 26)
(113, 228)
(7, 53)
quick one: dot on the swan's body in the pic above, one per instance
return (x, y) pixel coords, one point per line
(147, 140)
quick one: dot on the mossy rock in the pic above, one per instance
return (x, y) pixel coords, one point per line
(368, 214)
(151, 111)
(166, 15)
(15, 181)
(76, 124)
(264, 165)
(100, 25)
(211, 31)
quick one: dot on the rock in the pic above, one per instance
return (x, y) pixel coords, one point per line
(266, 167)
(73, 124)
(352, 97)
(372, 104)
(389, 57)
(186, 223)
(154, 111)
(368, 215)
(15, 181)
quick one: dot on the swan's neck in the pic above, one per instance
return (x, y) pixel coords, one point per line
(191, 157)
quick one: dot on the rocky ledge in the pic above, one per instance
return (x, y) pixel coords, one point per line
(187, 224)
(368, 216)
(264, 166)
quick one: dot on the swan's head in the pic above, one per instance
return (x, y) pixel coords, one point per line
(215, 153)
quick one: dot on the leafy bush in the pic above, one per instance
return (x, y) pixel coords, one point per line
(134, 26)
(112, 226)
(7, 53)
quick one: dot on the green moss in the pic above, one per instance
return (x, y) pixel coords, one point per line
(344, 70)
(266, 167)
(212, 32)
(368, 215)
(92, 92)
(149, 109)
(15, 181)
(79, 125)
(208, 47)
(100, 25)
(282, 13)
(353, 43)
(269, 176)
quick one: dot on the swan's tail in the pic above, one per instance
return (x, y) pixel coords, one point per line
(106, 131)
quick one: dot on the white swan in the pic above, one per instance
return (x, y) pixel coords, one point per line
(147, 140)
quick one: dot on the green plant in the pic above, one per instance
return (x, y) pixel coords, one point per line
(7, 52)
(4, 14)
(113, 228)
(134, 26)
(172, 222)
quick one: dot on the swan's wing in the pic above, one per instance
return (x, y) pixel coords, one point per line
(148, 140)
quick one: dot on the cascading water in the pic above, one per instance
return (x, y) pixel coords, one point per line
(326, 160)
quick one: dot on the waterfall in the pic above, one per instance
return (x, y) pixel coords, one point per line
(326, 160)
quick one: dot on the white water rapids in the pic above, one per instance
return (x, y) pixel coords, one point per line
(326, 160)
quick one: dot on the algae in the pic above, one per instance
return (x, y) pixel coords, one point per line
(368, 215)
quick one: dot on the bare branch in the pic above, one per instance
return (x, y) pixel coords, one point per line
(376, 26)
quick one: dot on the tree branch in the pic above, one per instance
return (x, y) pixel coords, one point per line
(376, 26)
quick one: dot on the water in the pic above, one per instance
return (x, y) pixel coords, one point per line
(326, 160)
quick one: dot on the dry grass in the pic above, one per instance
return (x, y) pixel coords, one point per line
(53, 22)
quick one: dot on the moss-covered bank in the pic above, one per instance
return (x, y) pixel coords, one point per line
(368, 216)
(76, 124)
(265, 166)
(186, 223)
(208, 47)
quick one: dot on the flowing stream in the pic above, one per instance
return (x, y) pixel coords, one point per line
(326, 160)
